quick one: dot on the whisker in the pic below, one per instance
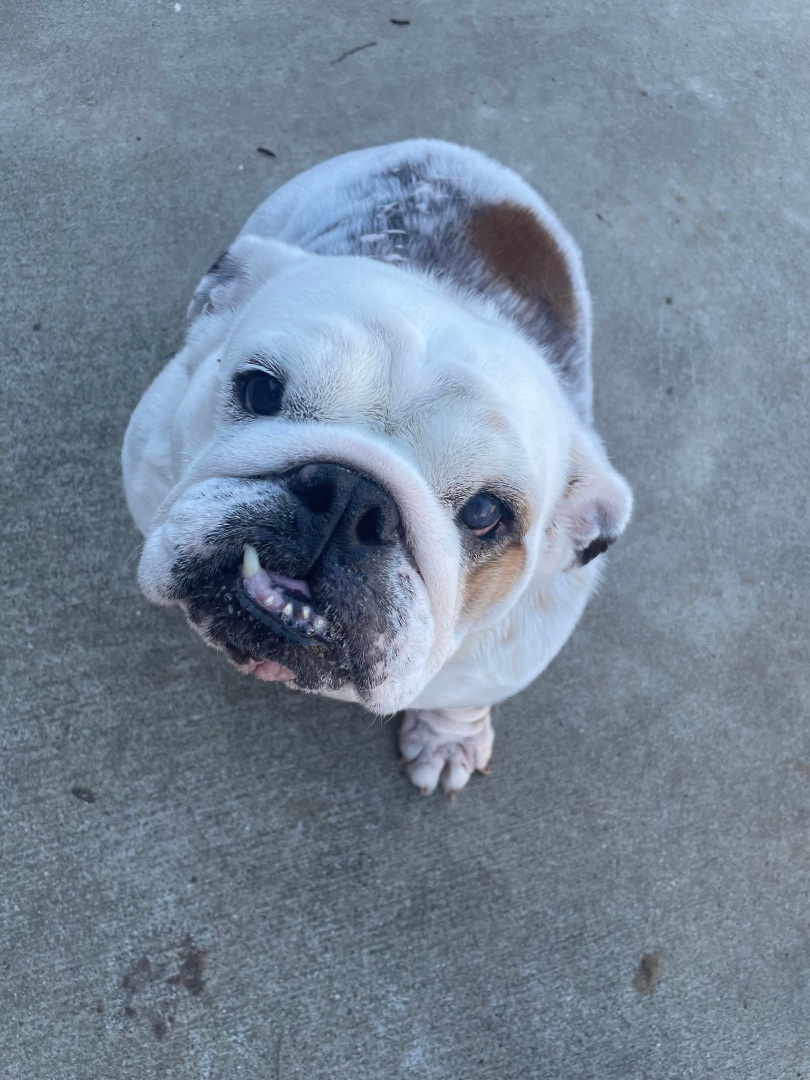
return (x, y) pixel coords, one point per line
(135, 551)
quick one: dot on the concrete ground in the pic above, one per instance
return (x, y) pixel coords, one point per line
(203, 877)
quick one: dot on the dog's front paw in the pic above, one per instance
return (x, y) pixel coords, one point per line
(446, 745)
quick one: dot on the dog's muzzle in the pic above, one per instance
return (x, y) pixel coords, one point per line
(296, 584)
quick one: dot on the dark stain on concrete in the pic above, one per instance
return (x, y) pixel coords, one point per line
(648, 975)
(306, 809)
(190, 974)
(137, 975)
(83, 793)
(157, 997)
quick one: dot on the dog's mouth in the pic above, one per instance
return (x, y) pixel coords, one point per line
(278, 628)
(284, 604)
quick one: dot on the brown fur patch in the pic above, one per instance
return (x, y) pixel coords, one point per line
(520, 252)
(540, 601)
(488, 582)
(495, 420)
(508, 634)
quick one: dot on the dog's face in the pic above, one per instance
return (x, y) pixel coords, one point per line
(345, 470)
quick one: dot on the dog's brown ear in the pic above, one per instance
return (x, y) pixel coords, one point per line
(238, 273)
(595, 507)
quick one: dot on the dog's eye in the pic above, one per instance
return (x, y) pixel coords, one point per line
(259, 393)
(481, 513)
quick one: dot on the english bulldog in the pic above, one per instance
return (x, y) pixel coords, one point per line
(371, 471)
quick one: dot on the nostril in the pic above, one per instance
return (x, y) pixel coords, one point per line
(368, 528)
(317, 498)
(337, 506)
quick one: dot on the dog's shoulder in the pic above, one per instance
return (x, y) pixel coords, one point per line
(459, 215)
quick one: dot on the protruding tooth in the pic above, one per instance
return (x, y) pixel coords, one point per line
(305, 612)
(250, 561)
(319, 623)
(287, 610)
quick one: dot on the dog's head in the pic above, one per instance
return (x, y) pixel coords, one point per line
(347, 468)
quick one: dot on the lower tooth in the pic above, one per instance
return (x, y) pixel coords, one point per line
(288, 610)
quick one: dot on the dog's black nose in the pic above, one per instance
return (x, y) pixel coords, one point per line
(342, 509)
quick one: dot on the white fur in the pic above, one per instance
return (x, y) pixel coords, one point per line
(402, 374)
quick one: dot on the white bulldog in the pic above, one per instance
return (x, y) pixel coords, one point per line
(370, 472)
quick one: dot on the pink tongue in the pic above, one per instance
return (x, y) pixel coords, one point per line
(263, 580)
(267, 670)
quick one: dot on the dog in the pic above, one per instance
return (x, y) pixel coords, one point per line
(371, 471)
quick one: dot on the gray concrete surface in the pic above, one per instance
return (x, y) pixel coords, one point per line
(206, 878)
